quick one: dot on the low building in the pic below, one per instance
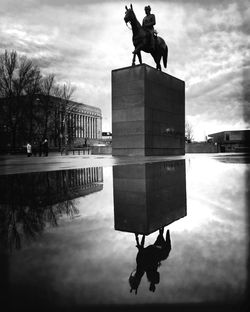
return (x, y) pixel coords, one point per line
(31, 119)
(232, 141)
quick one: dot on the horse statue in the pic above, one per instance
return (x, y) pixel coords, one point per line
(141, 41)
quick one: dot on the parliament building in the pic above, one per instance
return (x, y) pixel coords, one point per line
(44, 116)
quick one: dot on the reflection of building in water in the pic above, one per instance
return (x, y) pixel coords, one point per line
(86, 180)
(48, 188)
(30, 201)
(149, 196)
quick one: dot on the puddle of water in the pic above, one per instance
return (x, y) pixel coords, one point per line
(69, 236)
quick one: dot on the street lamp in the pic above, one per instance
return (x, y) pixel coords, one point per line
(13, 131)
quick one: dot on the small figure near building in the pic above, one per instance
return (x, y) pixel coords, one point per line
(29, 149)
(45, 147)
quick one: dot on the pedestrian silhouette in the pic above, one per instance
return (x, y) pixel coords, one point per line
(29, 149)
(45, 147)
(149, 259)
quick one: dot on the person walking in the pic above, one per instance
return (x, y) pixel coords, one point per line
(45, 147)
(29, 149)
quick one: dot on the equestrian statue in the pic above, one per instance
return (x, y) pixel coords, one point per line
(145, 37)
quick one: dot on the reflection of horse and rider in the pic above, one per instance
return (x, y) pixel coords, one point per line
(148, 260)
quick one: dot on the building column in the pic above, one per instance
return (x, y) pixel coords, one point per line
(74, 121)
(81, 126)
(91, 127)
(78, 125)
(95, 130)
(87, 126)
(72, 126)
(69, 126)
(84, 126)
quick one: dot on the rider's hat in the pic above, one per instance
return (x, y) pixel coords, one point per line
(147, 7)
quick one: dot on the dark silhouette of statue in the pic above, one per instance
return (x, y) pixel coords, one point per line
(148, 25)
(149, 259)
(145, 39)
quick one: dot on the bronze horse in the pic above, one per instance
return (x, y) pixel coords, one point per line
(140, 41)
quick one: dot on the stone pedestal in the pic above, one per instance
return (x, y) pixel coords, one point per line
(148, 112)
(149, 196)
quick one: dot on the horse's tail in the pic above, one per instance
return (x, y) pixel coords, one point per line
(165, 56)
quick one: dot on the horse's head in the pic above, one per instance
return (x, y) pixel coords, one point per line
(129, 14)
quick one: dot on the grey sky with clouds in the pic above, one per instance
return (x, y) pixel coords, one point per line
(82, 41)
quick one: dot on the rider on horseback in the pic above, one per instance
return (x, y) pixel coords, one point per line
(148, 25)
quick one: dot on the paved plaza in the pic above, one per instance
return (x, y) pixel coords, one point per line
(10, 164)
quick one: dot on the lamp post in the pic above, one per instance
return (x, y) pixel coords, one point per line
(64, 134)
(13, 132)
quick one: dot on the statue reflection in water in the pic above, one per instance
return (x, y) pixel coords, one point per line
(148, 260)
(147, 198)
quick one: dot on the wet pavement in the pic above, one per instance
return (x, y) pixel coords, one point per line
(10, 164)
(85, 232)
(21, 163)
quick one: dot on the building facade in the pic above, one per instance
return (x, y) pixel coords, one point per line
(84, 122)
(232, 141)
(34, 118)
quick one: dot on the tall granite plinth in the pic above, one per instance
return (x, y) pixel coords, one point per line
(148, 112)
(149, 196)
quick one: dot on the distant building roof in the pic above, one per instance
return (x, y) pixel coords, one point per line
(231, 136)
(227, 131)
(80, 106)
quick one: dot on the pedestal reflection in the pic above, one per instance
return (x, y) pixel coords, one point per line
(149, 196)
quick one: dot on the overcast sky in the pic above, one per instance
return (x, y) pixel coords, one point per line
(82, 41)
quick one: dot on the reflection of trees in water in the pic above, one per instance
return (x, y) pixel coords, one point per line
(31, 202)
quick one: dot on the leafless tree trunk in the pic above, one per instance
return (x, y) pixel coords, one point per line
(189, 132)
(47, 89)
(65, 93)
(18, 76)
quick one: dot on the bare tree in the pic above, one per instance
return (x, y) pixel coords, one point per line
(65, 93)
(48, 87)
(31, 105)
(188, 132)
(18, 77)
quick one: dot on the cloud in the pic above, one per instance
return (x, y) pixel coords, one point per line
(83, 42)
